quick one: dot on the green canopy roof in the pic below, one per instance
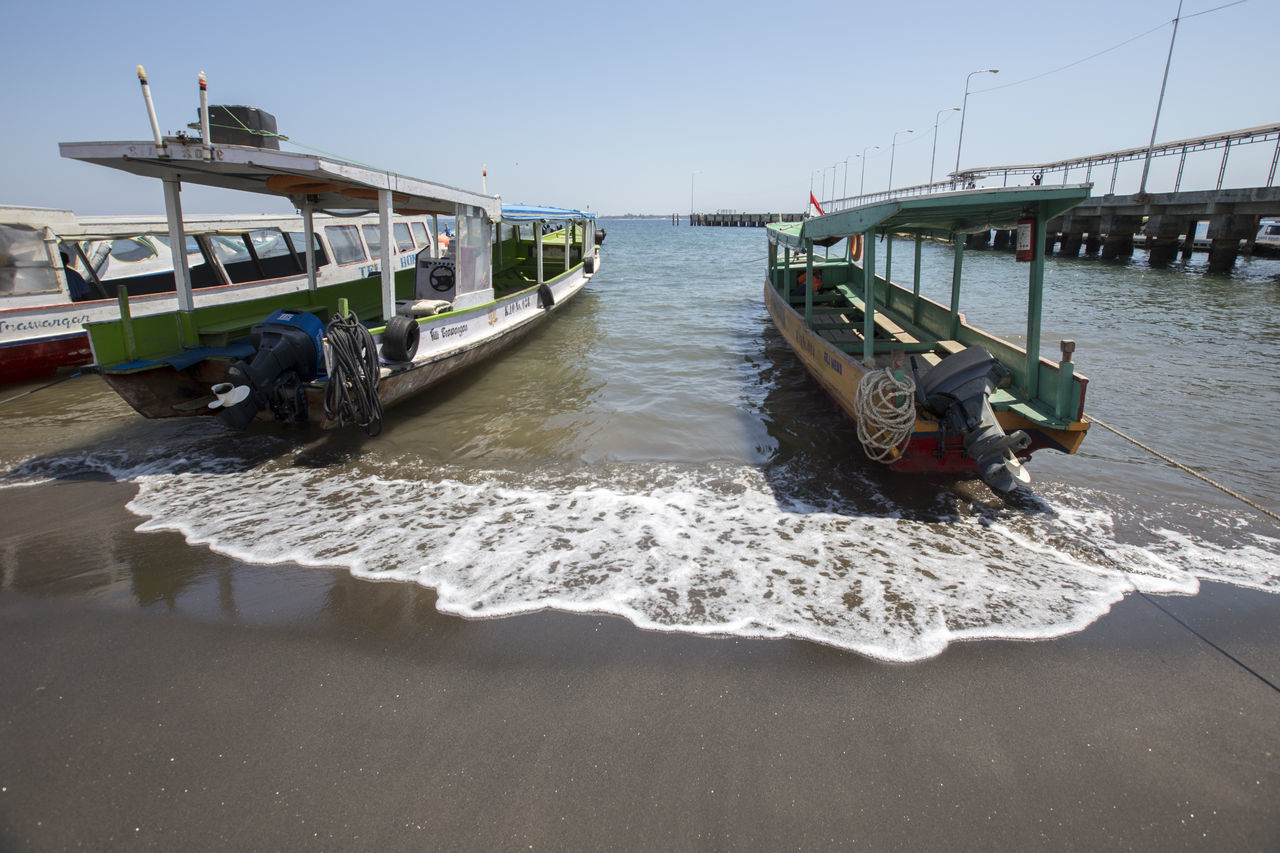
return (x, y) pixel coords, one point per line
(966, 211)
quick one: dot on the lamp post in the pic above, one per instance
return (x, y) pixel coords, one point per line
(964, 105)
(862, 185)
(845, 192)
(893, 149)
(934, 155)
(691, 177)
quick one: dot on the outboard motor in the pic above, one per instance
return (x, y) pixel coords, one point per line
(290, 354)
(957, 390)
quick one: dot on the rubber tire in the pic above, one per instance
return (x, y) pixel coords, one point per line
(546, 299)
(400, 339)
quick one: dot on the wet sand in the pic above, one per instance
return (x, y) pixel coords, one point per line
(157, 695)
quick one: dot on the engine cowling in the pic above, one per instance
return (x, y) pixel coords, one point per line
(290, 353)
(958, 390)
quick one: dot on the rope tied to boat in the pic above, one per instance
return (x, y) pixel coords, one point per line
(351, 356)
(886, 412)
(1175, 463)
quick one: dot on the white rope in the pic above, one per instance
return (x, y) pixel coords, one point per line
(886, 413)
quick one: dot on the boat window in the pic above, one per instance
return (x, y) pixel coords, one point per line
(1272, 231)
(230, 250)
(24, 261)
(269, 243)
(404, 242)
(345, 240)
(373, 236)
(193, 248)
(299, 240)
(420, 233)
(132, 250)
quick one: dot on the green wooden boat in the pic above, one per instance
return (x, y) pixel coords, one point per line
(929, 391)
(334, 354)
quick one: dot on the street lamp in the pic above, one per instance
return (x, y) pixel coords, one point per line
(862, 185)
(964, 105)
(691, 177)
(845, 192)
(933, 156)
(892, 151)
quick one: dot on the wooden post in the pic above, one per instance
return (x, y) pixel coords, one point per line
(388, 273)
(178, 248)
(537, 242)
(888, 269)
(309, 234)
(869, 298)
(915, 307)
(1035, 303)
(808, 286)
(957, 241)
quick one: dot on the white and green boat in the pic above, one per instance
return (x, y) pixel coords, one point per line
(929, 391)
(334, 354)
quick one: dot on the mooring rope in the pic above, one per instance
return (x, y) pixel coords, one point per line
(1190, 471)
(886, 413)
(42, 387)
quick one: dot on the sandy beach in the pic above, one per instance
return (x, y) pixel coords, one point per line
(290, 708)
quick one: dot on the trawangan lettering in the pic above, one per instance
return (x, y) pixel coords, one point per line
(37, 324)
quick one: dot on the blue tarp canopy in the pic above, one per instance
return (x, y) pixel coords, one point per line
(534, 213)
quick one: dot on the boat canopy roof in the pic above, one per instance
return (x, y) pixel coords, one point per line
(941, 214)
(323, 181)
(534, 213)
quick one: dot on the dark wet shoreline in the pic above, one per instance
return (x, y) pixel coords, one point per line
(315, 710)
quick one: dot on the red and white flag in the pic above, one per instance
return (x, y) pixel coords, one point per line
(813, 202)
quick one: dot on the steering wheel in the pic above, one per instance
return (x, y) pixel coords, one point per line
(441, 279)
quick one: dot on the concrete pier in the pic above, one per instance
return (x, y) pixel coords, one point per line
(733, 219)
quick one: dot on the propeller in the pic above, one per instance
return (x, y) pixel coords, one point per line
(229, 395)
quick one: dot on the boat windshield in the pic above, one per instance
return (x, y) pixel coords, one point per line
(24, 262)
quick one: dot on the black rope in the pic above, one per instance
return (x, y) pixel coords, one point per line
(1211, 643)
(42, 387)
(351, 397)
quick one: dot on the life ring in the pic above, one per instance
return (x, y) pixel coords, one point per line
(400, 339)
(855, 247)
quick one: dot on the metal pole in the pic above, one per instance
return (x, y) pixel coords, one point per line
(965, 106)
(845, 192)
(1146, 165)
(934, 155)
(863, 184)
(691, 192)
(893, 149)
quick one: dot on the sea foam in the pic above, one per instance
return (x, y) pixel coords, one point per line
(711, 549)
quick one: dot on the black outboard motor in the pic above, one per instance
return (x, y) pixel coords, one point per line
(957, 390)
(290, 354)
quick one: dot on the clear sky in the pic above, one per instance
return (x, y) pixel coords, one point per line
(635, 107)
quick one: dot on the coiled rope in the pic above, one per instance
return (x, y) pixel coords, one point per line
(886, 411)
(1190, 471)
(351, 397)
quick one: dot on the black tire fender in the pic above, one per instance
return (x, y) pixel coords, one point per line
(400, 339)
(545, 297)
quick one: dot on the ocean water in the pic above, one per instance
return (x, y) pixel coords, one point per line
(657, 453)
